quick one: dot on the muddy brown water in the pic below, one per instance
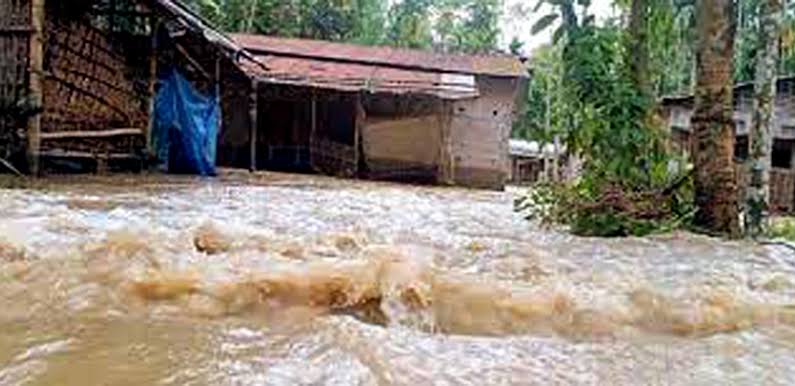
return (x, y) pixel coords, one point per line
(297, 280)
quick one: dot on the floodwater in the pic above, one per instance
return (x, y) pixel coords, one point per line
(298, 280)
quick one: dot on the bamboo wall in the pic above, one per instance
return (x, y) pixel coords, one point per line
(90, 86)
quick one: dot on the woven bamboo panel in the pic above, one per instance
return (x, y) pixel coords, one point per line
(87, 85)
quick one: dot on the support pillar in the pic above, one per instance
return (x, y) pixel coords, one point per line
(36, 72)
(357, 133)
(253, 111)
(150, 127)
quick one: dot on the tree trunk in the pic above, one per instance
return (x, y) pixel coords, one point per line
(762, 127)
(638, 50)
(712, 123)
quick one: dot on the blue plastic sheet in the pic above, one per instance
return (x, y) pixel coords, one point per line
(186, 126)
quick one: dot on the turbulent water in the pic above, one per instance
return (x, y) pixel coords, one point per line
(297, 280)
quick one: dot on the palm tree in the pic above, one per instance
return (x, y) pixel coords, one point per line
(712, 123)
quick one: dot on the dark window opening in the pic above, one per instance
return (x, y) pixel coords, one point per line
(782, 153)
(741, 147)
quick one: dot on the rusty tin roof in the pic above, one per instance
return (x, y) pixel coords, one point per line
(350, 67)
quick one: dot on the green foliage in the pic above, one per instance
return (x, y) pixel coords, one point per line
(630, 184)
(479, 30)
(460, 25)
(410, 24)
(516, 46)
(608, 210)
(545, 86)
(782, 228)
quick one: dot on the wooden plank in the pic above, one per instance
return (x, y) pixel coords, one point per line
(36, 70)
(253, 110)
(58, 153)
(91, 134)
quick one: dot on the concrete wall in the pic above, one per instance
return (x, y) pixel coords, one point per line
(680, 112)
(402, 138)
(479, 133)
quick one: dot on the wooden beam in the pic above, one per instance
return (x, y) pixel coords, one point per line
(91, 134)
(36, 71)
(253, 110)
(59, 153)
(193, 61)
(154, 27)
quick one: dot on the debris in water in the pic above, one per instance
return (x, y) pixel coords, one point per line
(476, 247)
(348, 242)
(164, 287)
(209, 239)
(91, 204)
(777, 283)
(10, 253)
(293, 251)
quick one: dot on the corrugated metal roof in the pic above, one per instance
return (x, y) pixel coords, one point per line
(360, 77)
(494, 65)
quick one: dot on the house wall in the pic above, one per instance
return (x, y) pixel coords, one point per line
(402, 138)
(479, 133)
(91, 84)
(679, 112)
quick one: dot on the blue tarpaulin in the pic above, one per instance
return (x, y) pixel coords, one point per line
(186, 126)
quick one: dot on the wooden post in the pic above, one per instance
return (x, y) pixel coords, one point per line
(220, 101)
(357, 133)
(150, 127)
(36, 72)
(313, 131)
(253, 103)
